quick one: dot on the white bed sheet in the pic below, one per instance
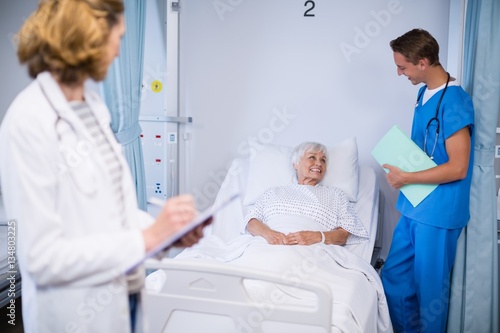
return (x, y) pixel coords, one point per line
(358, 302)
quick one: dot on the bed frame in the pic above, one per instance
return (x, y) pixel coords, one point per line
(212, 297)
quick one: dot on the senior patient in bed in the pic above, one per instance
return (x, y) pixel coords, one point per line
(328, 216)
(294, 214)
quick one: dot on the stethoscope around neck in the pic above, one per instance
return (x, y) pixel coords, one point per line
(435, 118)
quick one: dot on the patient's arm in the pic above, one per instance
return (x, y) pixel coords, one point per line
(258, 228)
(336, 236)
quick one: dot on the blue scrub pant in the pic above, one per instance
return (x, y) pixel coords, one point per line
(416, 276)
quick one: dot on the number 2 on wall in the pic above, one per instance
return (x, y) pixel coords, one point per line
(308, 11)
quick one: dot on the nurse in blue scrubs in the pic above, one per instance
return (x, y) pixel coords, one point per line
(416, 275)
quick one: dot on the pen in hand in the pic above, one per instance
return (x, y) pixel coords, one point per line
(190, 237)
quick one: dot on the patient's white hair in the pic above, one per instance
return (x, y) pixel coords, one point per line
(306, 147)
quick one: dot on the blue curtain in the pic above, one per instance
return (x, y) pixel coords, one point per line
(122, 93)
(474, 286)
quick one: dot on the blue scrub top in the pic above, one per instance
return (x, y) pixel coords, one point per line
(448, 205)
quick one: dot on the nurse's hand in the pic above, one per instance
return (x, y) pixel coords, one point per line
(175, 214)
(395, 177)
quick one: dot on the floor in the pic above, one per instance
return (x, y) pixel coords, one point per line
(5, 327)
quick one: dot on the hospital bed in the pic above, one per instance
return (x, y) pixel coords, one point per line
(328, 289)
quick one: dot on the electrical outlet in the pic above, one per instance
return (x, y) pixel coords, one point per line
(158, 188)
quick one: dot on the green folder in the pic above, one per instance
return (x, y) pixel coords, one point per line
(397, 149)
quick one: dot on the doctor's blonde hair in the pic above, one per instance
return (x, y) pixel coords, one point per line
(68, 38)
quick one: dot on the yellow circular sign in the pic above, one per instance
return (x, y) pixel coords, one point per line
(156, 86)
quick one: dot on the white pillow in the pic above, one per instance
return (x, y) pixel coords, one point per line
(343, 168)
(272, 167)
(269, 167)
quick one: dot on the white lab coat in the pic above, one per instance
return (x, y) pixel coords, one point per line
(71, 248)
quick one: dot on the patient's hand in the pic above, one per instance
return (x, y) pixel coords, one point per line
(304, 238)
(276, 238)
(258, 228)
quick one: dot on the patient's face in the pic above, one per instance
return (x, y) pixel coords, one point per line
(311, 168)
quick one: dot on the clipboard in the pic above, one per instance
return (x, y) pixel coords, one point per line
(397, 149)
(200, 219)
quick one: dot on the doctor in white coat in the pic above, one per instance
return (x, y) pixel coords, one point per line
(65, 182)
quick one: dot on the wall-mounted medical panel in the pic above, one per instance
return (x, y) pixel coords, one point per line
(155, 154)
(159, 104)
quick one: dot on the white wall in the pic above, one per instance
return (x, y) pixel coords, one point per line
(14, 76)
(245, 62)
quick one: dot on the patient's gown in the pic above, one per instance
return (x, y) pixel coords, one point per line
(328, 206)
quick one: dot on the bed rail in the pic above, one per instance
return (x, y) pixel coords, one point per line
(196, 295)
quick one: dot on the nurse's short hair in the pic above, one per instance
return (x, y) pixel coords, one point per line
(416, 45)
(305, 147)
(68, 38)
